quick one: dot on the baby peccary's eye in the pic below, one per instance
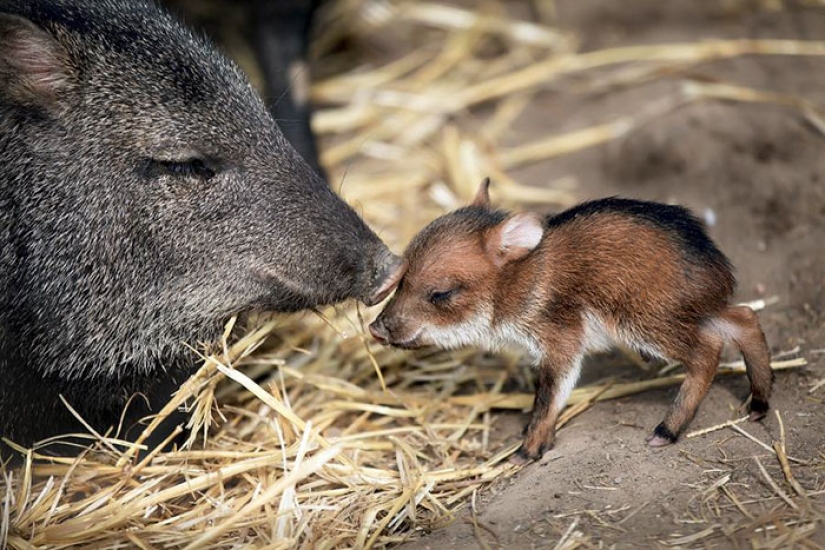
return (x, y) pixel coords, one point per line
(441, 297)
(192, 167)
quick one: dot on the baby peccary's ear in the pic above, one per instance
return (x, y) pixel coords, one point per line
(33, 65)
(482, 197)
(515, 237)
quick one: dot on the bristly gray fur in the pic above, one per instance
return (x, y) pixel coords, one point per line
(105, 269)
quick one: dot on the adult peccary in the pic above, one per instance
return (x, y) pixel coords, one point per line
(146, 195)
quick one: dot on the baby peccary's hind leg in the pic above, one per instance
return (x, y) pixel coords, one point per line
(701, 365)
(749, 338)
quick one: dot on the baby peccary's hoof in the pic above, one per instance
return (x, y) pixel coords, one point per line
(519, 459)
(523, 456)
(661, 437)
(759, 409)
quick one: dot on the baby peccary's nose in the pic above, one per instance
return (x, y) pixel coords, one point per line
(390, 270)
(379, 331)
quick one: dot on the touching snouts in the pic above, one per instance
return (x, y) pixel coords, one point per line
(386, 274)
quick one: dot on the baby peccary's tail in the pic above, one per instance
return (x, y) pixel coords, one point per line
(741, 326)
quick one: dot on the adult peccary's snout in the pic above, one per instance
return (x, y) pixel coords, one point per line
(146, 196)
(388, 269)
(327, 255)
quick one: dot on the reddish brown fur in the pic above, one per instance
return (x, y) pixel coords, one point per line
(641, 274)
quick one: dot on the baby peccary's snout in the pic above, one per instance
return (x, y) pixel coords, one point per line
(387, 271)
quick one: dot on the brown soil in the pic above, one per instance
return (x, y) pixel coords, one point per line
(756, 169)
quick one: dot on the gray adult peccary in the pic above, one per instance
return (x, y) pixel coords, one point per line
(146, 196)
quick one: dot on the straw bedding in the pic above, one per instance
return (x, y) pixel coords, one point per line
(305, 434)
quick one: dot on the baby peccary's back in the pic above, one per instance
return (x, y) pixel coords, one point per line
(647, 270)
(676, 221)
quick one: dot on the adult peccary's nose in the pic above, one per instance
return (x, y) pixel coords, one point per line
(379, 331)
(388, 269)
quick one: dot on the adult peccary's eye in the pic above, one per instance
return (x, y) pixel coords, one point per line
(188, 168)
(442, 296)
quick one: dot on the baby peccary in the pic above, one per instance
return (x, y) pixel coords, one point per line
(641, 274)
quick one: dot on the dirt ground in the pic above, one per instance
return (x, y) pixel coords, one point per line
(756, 172)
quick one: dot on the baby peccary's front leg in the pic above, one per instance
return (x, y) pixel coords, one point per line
(555, 381)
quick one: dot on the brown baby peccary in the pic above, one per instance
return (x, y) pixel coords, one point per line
(641, 274)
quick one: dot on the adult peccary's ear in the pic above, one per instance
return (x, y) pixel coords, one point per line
(482, 197)
(515, 237)
(34, 67)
